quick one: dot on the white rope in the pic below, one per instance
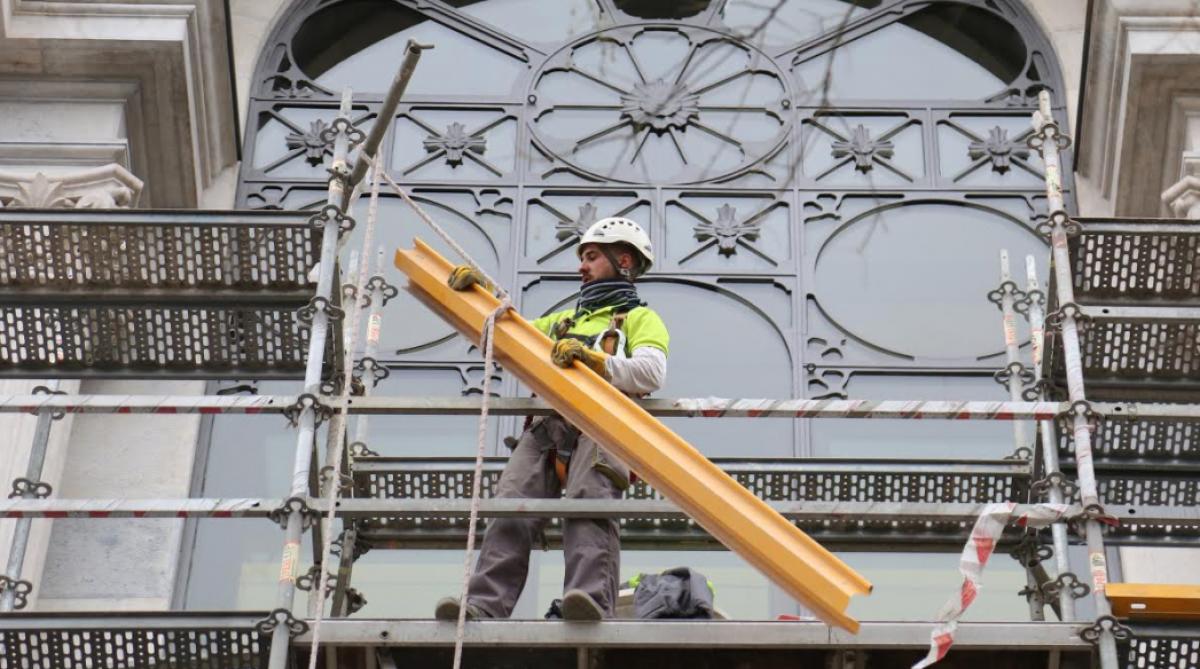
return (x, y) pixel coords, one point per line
(489, 328)
(335, 440)
(437, 229)
(487, 339)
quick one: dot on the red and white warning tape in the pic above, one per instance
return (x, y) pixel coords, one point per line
(980, 546)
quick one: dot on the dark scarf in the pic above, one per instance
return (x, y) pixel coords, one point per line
(617, 293)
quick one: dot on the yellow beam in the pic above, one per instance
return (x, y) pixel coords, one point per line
(1154, 601)
(729, 512)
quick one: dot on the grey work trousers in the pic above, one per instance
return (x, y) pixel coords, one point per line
(592, 547)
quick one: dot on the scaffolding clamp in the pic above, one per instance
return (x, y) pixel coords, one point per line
(20, 588)
(293, 505)
(27, 488)
(345, 481)
(307, 401)
(328, 213)
(369, 364)
(1020, 454)
(1007, 289)
(308, 580)
(1038, 389)
(295, 626)
(379, 283)
(1030, 298)
(1054, 480)
(1059, 219)
(44, 390)
(1067, 582)
(1083, 409)
(1055, 318)
(354, 135)
(359, 450)
(1016, 370)
(1092, 633)
(1029, 553)
(306, 313)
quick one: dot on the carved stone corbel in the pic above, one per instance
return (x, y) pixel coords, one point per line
(107, 187)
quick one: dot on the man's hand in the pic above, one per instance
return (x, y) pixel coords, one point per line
(465, 276)
(567, 351)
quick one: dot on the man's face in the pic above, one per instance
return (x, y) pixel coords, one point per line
(594, 265)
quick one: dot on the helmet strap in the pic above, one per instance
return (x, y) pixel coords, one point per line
(625, 272)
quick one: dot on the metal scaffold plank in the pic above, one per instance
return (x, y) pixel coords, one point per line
(694, 634)
(729, 512)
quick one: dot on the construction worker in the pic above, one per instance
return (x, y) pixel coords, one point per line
(617, 336)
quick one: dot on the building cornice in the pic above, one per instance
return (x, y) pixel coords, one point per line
(1143, 57)
(175, 51)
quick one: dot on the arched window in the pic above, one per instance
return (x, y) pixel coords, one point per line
(828, 184)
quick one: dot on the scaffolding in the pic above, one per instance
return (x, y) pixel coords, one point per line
(1121, 457)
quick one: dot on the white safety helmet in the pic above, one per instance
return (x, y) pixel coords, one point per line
(614, 230)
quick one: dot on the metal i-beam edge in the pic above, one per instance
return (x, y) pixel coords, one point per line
(521, 406)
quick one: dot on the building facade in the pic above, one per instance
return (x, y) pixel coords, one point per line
(828, 184)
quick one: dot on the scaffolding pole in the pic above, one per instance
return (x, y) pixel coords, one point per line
(707, 407)
(13, 594)
(1013, 376)
(1050, 141)
(285, 625)
(378, 293)
(1035, 301)
(414, 508)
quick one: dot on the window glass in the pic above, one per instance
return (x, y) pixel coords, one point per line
(788, 22)
(915, 586)
(989, 151)
(720, 346)
(248, 456)
(359, 44)
(557, 20)
(662, 9)
(884, 277)
(949, 51)
(915, 439)
(432, 436)
(659, 104)
(409, 325)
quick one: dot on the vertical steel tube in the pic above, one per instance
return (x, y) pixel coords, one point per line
(20, 540)
(340, 604)
(1072, 360)
(1020, 438)
(286, 591)
(366, 155)
(1058, 531)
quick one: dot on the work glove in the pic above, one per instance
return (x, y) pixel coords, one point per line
(465, 276)
(567, 351)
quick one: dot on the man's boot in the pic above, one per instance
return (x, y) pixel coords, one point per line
(447, 609)
(578, 605)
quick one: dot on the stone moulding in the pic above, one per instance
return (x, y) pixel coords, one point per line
(106, 187)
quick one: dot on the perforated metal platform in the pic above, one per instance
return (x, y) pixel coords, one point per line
(132, 641)
(1136, 261)
(778, 481)
(1137, 283)
(771, 480)
(154, 293)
